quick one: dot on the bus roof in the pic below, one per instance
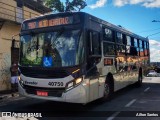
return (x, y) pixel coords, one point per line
(117, 28)
(91, 17)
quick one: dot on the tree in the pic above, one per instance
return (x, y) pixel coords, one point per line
(57, 5)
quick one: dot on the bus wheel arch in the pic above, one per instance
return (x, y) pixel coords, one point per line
(108, 87)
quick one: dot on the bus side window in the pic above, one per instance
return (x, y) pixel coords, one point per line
(94, 39)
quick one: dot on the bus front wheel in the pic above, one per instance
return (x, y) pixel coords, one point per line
(108, 90)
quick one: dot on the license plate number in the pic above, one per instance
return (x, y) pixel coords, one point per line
(42, 93)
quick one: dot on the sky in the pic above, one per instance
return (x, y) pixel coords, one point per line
(134, 15)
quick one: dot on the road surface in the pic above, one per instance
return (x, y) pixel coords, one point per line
(130, 103)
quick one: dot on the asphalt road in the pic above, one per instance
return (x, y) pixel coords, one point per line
(130, 103)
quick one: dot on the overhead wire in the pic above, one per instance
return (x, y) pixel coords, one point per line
(153, 34)
(149, 30)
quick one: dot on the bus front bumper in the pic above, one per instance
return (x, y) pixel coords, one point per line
(74, 95)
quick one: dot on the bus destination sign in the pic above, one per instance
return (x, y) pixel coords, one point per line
(48, 23)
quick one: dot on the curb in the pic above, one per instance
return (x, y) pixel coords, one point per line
(4, 97)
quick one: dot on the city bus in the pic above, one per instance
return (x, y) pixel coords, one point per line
(78, 58)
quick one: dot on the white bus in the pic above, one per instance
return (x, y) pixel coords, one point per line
(78, 58)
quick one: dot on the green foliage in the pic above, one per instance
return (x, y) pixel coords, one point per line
(58, 6)
(36, 61)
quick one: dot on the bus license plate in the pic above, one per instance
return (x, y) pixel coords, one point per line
(42, 93)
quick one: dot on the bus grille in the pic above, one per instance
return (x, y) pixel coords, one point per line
(44, 73)
(54, 92)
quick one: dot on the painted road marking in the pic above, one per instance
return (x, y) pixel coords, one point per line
(130, 103)
(113, 116)
(146, 89)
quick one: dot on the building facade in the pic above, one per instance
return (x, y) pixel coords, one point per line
(12, 13)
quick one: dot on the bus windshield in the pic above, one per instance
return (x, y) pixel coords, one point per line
(52, 49)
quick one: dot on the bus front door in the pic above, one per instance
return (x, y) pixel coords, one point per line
(93, 84)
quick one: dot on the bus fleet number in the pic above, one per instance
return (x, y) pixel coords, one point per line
(55, 83)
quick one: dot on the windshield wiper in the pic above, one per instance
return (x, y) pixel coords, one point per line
(59, 33)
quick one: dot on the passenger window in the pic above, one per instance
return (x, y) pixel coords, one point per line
(120, 50)
(141, 46)
(140, 43)
(135, 43)
(108, 48)
(145, 49)
(119, 38)
(128, 40)
(108, 35)
(141, 52)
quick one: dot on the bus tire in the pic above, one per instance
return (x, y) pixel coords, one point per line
(139, 82)
(108, 88)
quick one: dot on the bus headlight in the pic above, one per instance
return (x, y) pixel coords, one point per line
(78, 80)
(73, 83)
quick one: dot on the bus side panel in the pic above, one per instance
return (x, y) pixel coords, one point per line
(101, 86)
(93, 94)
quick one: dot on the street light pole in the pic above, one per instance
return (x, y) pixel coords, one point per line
(155, 20)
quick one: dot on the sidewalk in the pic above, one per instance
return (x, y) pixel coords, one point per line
(7, 94)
